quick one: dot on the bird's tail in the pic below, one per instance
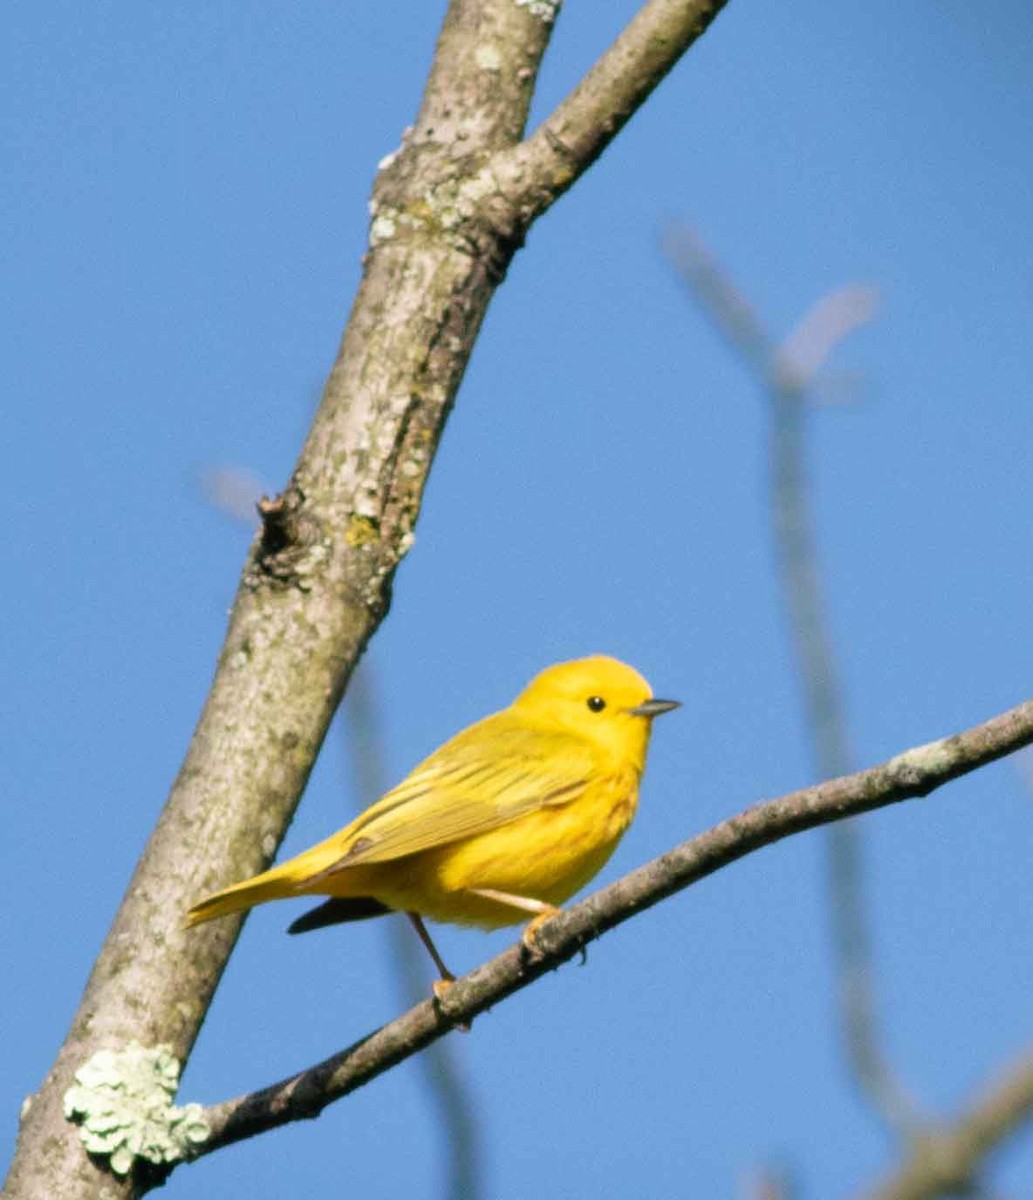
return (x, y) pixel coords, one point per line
(300, 876)
(270, 885)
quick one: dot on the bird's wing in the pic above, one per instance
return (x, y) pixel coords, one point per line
(485, 777)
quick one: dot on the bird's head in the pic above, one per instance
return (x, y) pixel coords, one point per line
(600, 699)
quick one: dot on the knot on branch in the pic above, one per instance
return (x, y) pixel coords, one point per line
(290, 545)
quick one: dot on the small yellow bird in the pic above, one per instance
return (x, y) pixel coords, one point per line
(507, 819)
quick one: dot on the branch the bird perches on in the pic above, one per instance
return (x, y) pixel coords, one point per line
(914, 773)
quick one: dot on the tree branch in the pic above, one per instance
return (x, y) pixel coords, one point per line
(943, 1161)
(315, 586)
(318, 577)
(572, 137)
(914, 773)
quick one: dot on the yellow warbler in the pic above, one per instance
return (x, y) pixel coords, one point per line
(507, 819)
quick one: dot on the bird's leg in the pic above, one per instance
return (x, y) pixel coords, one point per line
(542, 912)
(447, 978)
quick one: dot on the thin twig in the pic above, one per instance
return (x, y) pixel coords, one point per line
(916, 772)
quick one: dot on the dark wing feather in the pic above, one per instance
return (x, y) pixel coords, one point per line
(336, 911)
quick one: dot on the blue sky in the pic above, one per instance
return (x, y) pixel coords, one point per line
(186, 211)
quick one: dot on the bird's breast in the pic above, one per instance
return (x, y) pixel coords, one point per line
(548, 854)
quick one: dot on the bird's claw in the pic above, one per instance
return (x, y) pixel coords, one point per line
(441, 987)
(530, 935)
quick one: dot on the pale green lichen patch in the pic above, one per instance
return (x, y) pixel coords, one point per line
(123, 1101)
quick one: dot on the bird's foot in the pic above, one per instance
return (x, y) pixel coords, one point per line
(442, 988)
(530, 935)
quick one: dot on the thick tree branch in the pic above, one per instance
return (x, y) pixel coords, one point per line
(315, 586)
(944, 1160)
(318, 576)
(914, 773)
(571, 138)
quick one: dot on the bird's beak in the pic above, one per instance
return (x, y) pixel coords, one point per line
(653, 708)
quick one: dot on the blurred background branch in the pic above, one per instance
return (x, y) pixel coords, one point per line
(944, 1160)
(769, 1182)
(790, 374)
(940, 1161)
(447, 1091)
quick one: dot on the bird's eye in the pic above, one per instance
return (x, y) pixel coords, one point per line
(596, 703)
